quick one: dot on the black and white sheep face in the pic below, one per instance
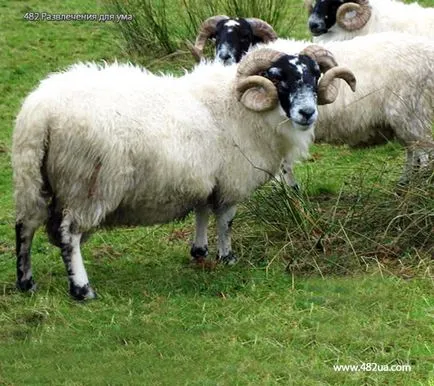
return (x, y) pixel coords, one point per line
(233, 38)
(296, 78)
(323, 15)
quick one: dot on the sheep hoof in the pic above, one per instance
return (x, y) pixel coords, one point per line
(26, 285)
(199, 252)
(229, 259)
(82, 293)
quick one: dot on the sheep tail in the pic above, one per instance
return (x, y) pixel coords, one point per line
(32, 190)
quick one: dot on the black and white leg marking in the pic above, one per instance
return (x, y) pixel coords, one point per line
(408, 168)
(288, 175)
(79, 287)
(415, 160)
(199, 250)
(24, 232)
(224, 223)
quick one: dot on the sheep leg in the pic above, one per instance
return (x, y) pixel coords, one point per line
(416, 158)
(422, 158)
(224, 224)
(199, 249)
(408, 166)
(24, 232)
(288, 175)
(79, 287)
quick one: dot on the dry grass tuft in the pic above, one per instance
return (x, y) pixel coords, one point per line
(363, 227)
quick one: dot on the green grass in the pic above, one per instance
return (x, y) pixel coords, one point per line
(285, 314)
(174, 325)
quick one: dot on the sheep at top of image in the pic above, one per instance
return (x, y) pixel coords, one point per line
(331, 20)
(233, 37)
(394, 97)
(118, 145)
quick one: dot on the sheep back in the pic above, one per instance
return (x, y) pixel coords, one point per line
(146, 149)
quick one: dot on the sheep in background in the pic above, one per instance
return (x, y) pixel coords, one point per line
(331, 20)
(394, 97)
(233, 37)
(364, 130)
(120, 146)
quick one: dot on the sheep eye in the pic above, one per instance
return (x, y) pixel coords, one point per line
(274, 73)
(283, 85)
(298, 78)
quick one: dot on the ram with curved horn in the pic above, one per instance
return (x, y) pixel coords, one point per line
(127, 147)
(394, 96)
(331, 20)
(233, 37)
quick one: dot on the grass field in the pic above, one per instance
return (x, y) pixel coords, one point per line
(285, 314)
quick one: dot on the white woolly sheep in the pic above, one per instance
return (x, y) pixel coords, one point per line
(332, 20)
(394, 97)
(118, 145)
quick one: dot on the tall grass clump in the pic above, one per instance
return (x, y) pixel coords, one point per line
(149, 31)
(161, 27)
(279, 13)
(195, 12)
(363, 225)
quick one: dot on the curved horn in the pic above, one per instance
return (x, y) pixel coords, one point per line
(361, 11)
(328, 86)
(206, 29)
(323, 57)
(253, 98)
(262, 29)
(256, 92)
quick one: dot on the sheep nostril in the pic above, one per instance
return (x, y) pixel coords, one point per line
(307, 112)
(317, 27)
(224, 57)
(313, 25)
